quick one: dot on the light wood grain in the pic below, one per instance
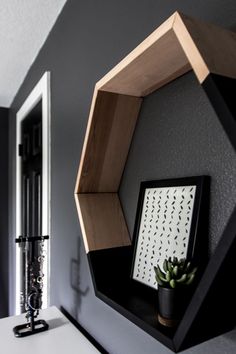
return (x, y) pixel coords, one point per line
(108, 138)
(209, 48)
(85, 145)
(148, 42)
(179, 44)
(102, 221)
(158, 60)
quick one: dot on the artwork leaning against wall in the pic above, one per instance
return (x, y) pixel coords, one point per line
(166, 224)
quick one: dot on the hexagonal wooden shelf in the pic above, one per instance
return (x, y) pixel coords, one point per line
(179, 45)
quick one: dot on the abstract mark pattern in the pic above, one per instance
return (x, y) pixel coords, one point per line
(164, 229)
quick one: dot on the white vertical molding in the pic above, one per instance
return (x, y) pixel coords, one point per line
(40, 92)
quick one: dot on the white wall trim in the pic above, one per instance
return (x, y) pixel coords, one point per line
(41, 91)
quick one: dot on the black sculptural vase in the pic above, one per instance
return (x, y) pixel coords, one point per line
(172, 304)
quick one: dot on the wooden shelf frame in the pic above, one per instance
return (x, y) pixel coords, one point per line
(179, 45)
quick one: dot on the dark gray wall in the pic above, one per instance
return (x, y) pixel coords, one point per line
(178, 135)
(3, 212)
(89, 38)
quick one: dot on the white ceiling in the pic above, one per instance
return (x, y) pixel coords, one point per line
(24, 27)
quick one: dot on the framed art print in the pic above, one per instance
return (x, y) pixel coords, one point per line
(166, 224)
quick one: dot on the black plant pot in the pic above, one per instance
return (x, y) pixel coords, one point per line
(172, 304)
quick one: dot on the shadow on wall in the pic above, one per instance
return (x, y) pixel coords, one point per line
(75, 282)
(3, 293)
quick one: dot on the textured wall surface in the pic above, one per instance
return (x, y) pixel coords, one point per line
(177, 135)
(3, 212)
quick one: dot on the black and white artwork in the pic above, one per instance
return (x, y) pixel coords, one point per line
(164, 218)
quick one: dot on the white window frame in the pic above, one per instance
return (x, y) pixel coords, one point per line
(40, 92)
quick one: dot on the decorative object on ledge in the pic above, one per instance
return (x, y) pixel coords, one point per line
(179, 45)
(174, 289)
(166, 224)
(33, 254)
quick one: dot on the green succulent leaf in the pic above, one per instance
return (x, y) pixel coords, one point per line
(169, 266)
(193, 271)
(176, 270)
(163, 279)
(187, 268)
(182, 279)
(159, 272)
(159, 281)
(172, 283)
(190, 279)
(168, 276)
(165, 266)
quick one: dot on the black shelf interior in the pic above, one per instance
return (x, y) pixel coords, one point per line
(114, 286)
(210, 312)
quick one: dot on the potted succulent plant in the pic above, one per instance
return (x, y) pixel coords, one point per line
(174, 289)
